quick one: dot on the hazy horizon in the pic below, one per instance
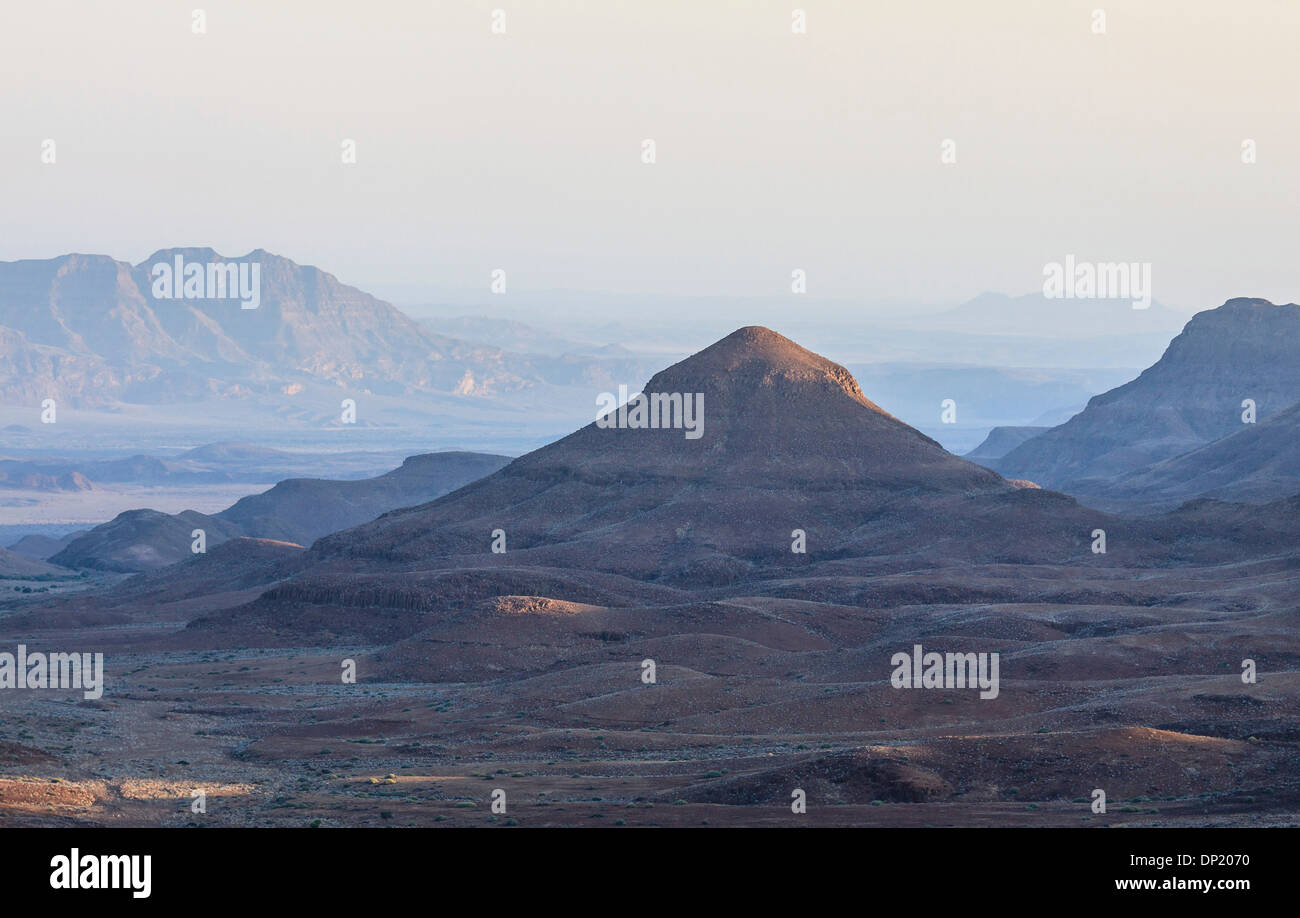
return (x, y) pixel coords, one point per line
(774, 150)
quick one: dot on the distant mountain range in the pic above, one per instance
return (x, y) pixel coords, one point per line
(984, 396)
(1035, 315)
(40, 547)
(102, 335)
(90, 332)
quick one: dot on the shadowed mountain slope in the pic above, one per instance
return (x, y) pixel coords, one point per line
(1245, 349)
(1258, 463)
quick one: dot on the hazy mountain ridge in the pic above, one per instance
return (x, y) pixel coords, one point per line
(88, 331)
(1245, 349)
(1002, 440)
(208, 464)
(1035, 315)
(297, 510)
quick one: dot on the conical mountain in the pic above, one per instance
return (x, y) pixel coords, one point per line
(771, 414)
(786, 441)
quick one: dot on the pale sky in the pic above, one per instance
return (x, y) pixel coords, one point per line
(775, 151)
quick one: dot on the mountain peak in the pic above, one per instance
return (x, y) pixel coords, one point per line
(757, 343)
(755, 358)
(783, 439)
(189, 253)
(1245, 302)
(760, 336)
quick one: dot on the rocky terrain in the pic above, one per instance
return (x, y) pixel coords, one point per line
(650, 647)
